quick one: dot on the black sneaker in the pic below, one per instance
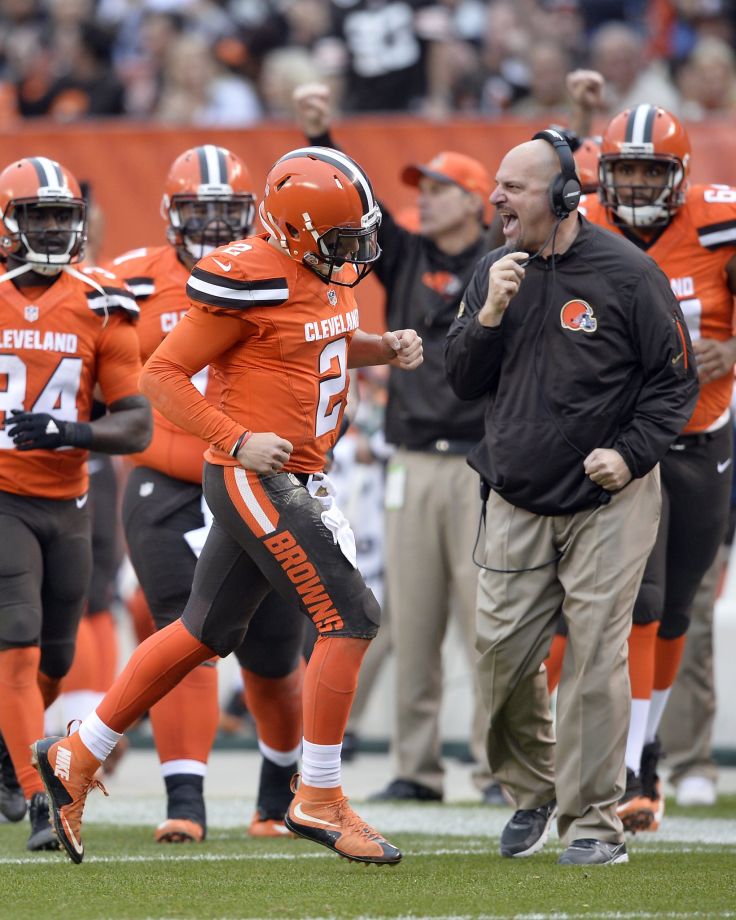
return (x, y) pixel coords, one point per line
(12, 800)
(406, 790)
(590, 852)
(43, 836)
(527, 830)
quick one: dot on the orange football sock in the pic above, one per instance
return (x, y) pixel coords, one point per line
(667, 658)
(105, 633)
(276, 705)
(185, 720)
(330, 681)
(152, 670)
(642, 641)
(553, 662)
(83, 672)
(140, 614)
(21, 712)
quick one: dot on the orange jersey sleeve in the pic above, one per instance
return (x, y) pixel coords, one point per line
(195, 342)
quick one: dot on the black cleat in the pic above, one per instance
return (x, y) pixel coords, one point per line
(527, 830)
(589, 852)
(43, 836)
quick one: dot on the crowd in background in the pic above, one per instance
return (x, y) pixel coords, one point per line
(236, 62)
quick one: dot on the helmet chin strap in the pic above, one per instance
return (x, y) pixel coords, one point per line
(14, 272)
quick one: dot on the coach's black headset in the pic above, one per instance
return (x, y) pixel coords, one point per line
(564, 192)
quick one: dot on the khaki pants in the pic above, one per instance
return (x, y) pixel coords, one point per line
(595, 582)
(432, 513)
(686, 731)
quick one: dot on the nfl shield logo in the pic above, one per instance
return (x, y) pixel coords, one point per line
(31, 313)
(332, 297)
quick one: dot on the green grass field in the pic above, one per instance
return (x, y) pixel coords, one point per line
(686, 871)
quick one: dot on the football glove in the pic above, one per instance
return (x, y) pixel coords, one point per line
(41, 431)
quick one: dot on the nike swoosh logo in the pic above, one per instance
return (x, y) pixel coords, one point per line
(81, 502)
(225, 266)
(70, 835)
(675, 360)
(302, 815)
(722, 467)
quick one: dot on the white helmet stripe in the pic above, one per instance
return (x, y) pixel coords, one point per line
(641, 125)
(215, 174)
(49, 172)
(346, 164)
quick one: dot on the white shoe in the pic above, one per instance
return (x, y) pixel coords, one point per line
(696, 790)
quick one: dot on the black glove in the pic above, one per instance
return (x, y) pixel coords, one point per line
(41, 431)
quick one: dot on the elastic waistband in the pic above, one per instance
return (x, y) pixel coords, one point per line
(444, 446)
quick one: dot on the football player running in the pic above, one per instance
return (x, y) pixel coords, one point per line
(275, 317)
(690, 231)
(63, 331)
(208, 201)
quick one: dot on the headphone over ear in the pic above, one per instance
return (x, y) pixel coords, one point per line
(564, 189)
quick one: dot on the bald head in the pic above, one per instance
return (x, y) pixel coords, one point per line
(535, 161)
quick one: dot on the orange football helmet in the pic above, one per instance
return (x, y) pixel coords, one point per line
(43, 217)
(645, 132)
(587, 157)
(320, 206)
(208, 200)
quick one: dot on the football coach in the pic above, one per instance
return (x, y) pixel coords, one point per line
(576, 339)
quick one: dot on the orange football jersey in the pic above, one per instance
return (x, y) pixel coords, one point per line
(693, 252)
(53, 350)
(158, 279)
(276, 336)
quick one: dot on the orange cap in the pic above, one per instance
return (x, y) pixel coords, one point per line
(457, 168)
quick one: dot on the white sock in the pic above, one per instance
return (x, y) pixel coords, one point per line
(656, 711)
(321, 764)
(637, 729)
(280, 758)
(173, 767)
(97, 737)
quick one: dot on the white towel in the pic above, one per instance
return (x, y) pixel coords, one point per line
(320, 487)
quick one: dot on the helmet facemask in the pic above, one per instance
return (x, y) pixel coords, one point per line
(345, 246)
(46, 234)
(200, 224)
(648, 205)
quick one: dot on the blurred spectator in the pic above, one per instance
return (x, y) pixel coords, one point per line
(141, 51)
(494, 76)
(707, 80)
(198, 89)
(82, 82)
(281, 72)
(549, 64)
(376, 52)
(618, 52)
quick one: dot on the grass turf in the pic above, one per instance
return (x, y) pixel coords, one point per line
(126, 876)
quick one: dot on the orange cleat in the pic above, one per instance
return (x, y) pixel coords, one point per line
(68, 770)
(261, 826)
(179, 830)
(326, 817)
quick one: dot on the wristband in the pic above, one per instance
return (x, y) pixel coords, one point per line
(239, 443)
(78, 434)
